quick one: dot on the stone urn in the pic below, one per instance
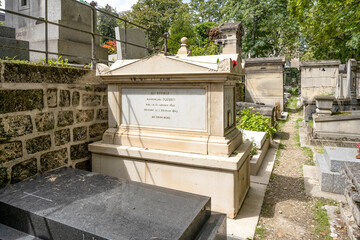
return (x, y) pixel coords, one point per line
(324, 105)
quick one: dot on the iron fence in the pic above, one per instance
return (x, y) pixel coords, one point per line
(92, 33)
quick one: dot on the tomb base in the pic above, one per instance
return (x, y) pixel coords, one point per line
(225, 179)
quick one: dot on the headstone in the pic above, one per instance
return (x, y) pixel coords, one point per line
(75, 204)
(9, 45)
(172, 123)
(134, 36)
(60, 40)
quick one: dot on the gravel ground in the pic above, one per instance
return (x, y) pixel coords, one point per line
(287, 213)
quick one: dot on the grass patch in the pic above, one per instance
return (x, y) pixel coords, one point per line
(311, 123)
(309, 155)
(292, 103)
(322, 227)
(320, 150)
(260, 232)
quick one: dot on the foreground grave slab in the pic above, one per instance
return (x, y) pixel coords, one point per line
(172, 124)
(74, 204)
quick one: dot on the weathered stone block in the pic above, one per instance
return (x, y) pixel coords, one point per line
(15, 126)
(79, 133)
(102, 114)
(23, 170)
(10, 151)
(62, 137)
(4, 178)
(91, 100)
(97, 130)
(84, 116)
(79, 151)
(100, 88)
(105, 101)
(45, 121)
(65, 118)
(85, 165)
(38, 144)
(51, 97)
(64, 98)
(20, 100)
(75, 99)
(52, 160)
(25, 73)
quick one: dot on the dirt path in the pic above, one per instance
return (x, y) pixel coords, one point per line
(287, 213)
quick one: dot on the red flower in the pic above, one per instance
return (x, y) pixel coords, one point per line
(234, 63)
(358, 145)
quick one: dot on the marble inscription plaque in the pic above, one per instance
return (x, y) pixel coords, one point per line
(164, 107)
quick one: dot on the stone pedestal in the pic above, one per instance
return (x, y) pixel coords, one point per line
(172, 124)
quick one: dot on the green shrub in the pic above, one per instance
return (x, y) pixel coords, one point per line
(254, 121)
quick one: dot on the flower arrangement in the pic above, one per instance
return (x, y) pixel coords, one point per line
(111, 46)
(234, 63)
(358, 156)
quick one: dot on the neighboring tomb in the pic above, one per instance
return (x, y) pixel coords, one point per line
(8, 45)
(61, 40)
(134, 36)
(172, 124)
(70, 204)
(264, 81)
(228, 36)
(329, 166)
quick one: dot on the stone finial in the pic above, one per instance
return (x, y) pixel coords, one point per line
(183, 50)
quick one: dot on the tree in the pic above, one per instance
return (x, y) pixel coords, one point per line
(269, 30)
(207, 10)
(330, 29)
(181, 27)
(156, 15)
(106, 23)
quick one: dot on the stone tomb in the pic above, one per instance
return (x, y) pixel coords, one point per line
(172, 124)
(70, 204)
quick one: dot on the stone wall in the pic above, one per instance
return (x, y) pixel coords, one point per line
(318, 78)
(48, 116)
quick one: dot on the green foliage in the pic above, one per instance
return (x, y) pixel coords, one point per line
(181, 27)
(269, 31)
(254, 121)
(207, 10)
(294, 91)
(55, 63)
(330, 29)
(201, 31)
(157, 15)
(107, 24)
(206, 48)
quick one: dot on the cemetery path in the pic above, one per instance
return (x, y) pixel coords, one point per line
(287, 212)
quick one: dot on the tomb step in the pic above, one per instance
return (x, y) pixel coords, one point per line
(337, 156)
(74, 204)
(214, 228)
(329, 181)
(256, 160)
(9, 233)
(258, 138)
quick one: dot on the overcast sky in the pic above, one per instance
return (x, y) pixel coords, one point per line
(121, 5)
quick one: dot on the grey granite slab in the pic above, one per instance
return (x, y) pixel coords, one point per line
(8, 49)
(8, 233)
(352, 170)
(74, 204)
(339, 155)
(329, 181)
(7, 32)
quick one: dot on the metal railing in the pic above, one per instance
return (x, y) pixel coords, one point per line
(92, 33)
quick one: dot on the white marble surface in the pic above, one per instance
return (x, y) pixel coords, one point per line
(180, 108)
(257, 137)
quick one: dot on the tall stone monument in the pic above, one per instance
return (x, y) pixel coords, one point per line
(61, 40)
(172, 123)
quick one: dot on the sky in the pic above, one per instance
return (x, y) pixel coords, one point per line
(121, 5)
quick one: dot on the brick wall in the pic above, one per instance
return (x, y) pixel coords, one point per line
(48, 116)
